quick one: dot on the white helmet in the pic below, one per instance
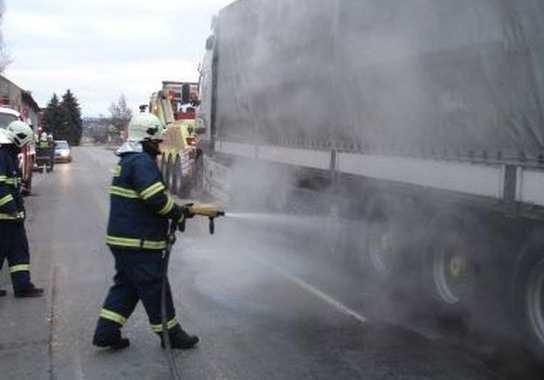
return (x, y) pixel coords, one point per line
(43, 136)
(4, 138)
(145, 126)
(20, 133)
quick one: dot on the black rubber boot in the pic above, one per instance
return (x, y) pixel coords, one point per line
(3, 293)
(29, 292)
(180, 340)
(115, 341)
(114, 345)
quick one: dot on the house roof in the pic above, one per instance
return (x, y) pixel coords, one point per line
(29, 100)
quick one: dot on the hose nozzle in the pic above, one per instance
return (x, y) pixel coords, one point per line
(211, 211)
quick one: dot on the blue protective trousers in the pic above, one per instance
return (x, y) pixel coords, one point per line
(14, 249)
(137, 278)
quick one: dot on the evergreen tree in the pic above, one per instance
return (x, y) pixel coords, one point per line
(52, 116)
(71, 127)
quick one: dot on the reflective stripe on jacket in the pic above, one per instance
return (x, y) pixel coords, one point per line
(11, 198)
(140, 205)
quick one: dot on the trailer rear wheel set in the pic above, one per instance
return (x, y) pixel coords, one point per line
(457, 274)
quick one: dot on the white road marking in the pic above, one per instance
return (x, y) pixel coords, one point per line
(314, 291)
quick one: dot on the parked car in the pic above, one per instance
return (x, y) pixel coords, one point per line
(63, 152)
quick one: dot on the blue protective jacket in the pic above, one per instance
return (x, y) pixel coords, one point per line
(140, 205)
(12, 207)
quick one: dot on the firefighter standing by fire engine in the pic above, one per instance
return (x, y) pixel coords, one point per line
(13, 239)
(137, 236)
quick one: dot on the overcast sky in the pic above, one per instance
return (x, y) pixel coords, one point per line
(102, 48)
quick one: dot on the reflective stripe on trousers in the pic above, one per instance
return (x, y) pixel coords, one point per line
(19, 268)
(112, 316)
(169, 325)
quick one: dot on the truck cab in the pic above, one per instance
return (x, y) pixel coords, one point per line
(27, 155)
(176, 105)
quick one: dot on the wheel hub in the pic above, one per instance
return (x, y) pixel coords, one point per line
(452, 276)
(458, 266)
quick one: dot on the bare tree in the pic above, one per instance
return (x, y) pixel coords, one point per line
(120, 114)
(5, 58)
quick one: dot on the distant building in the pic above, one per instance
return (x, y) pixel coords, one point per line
(14, 97)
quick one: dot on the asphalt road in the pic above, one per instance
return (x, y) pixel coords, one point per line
(262, 306)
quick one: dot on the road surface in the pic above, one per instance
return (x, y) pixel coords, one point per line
(262, 306)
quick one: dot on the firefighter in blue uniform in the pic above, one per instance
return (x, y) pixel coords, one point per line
(13, 240)
(138, 223)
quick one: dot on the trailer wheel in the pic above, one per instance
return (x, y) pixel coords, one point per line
(168, 173)
(527, 306)
(453, 271)
(198, 173)
(381, 250)
(163, 165)
(459, 267)
(179, 187)
(27, 188)
(534, 307)
(385, 246)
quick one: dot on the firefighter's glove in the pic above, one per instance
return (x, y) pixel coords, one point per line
(180, 213)
(185, 213)
(188, 211)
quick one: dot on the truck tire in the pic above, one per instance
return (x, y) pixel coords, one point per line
(162, 164)
(534, 308)
(528, 298)
(459, 267)
(382, 253)
(385, 244)
(179, 185)
(452, 270)
(27, 188)
(168, 173)
(198, 174)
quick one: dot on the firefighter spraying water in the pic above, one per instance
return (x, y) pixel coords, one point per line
(141, 231)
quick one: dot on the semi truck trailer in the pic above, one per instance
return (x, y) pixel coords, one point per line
(426, 116)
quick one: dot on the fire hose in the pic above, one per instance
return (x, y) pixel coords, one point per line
(211, 212)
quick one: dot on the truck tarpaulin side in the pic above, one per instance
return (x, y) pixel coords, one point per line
(395, 76)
